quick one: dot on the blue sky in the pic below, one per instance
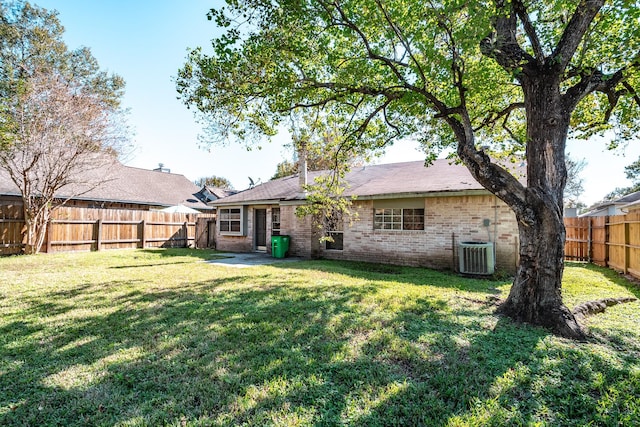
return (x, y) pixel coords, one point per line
(146, 43)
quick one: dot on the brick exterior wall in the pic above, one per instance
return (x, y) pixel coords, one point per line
(448, 221)
(301, 244)
(300, 229)
(237, 243)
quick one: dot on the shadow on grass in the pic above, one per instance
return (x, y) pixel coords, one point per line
(204, 254)
(400, 274)
(609, 274)
(624, 336)
(273, 353)
(117, 267)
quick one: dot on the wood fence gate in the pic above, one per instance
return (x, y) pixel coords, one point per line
(206, 231)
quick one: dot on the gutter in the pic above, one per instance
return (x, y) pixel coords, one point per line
(248, 202)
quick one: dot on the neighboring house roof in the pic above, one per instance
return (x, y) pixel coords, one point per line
(209, 194)
(407, 179)
(631, 206)
(607, 207)
(125, 184)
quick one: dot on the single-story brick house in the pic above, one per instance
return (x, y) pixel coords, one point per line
(408, 214)
(124, 187)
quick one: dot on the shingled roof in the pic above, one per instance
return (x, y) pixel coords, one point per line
(603, 208)
(407, 179)
(126, 184)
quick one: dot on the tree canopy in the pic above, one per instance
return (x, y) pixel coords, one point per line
(320, 140)
(486, 77)
(574, 188)
(31, 40)
(59, 115)
(214, 181)
(632, 173)
(393, 67)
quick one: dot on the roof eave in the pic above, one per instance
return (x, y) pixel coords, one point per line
(133, 202)
(428, 194)
(224, 202)
(408, 195)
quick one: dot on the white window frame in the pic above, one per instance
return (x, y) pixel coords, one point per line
(382, 218)
(334, 227)
(276, 211)
(225, 215)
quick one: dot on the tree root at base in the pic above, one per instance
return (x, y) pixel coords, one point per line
(594, 307)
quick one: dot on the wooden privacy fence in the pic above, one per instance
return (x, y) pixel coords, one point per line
(609, 241)
(84, 229)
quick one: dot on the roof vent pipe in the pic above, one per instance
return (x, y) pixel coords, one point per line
(161, 168)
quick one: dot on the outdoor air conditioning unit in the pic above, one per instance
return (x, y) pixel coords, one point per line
(476, 258)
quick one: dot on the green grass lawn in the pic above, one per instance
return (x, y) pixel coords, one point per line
(158, 337)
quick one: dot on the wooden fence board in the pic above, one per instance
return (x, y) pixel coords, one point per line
(84, 229)
(599, 240)
(11, 223)
(612, 241)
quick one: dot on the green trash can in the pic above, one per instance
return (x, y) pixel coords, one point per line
(276, 247)
(285, 244)
(279, 246)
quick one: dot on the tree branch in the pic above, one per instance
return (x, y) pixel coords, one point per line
(573, 33)
(494, 178)
(490, 175)
(594, 81)
(633, 92)
(365, 41)
(493, 117)
(505, 126)
(403, 40)
(502, 44)
(457, 63)
(522, 13)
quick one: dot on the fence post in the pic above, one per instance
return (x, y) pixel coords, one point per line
(590, 241)
(143, 234)
(627, 246)
(185, 228)
(49, 235)
(607, 239)
(98, 235)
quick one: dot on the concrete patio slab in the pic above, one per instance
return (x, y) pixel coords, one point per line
(243, 260)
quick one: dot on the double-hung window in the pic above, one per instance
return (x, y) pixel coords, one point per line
(335, 232)
(230, 220)
(275, 221)
(398, 219)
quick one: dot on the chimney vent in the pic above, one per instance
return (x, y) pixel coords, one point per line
(161, 168)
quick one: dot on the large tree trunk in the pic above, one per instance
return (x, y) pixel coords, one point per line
(36, 217)
(536, 296)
